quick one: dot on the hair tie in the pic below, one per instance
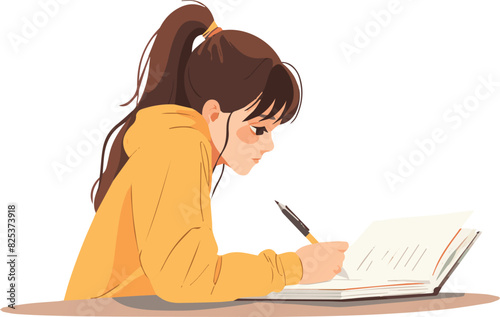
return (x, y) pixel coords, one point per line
(212, 29)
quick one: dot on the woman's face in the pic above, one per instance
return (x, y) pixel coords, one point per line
(248, 140)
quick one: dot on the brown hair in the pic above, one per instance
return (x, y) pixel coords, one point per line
(232, 67)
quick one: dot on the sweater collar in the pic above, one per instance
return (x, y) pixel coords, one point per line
(151, 123)
(184, 116)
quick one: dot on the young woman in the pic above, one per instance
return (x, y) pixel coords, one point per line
(152, 232)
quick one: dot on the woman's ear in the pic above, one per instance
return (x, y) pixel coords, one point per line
(211, 110)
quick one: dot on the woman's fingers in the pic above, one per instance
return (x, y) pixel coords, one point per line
(340, 245)
(321, 261)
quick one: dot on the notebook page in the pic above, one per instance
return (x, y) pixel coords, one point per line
(402, 249)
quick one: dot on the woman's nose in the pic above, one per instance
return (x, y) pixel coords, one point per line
(267, 143)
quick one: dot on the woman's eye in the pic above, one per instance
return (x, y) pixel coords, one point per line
(258, 130)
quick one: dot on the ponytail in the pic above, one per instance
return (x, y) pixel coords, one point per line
(164, 83)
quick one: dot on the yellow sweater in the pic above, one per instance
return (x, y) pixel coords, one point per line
(152, 234)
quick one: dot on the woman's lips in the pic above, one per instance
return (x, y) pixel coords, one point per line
(256, 160)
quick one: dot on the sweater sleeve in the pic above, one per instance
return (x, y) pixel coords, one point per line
(173, 226)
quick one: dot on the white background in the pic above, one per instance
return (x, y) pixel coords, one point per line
(357, 119)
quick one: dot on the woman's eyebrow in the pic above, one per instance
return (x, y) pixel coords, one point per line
(263, 116)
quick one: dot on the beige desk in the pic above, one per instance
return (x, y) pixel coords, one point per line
(155, 306)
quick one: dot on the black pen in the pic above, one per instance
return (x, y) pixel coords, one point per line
(297, 222)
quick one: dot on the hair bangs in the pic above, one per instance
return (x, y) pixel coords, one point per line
(280, 91)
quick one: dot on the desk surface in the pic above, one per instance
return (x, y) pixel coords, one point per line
(155, 306)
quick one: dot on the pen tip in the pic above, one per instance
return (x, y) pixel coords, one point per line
(281, 206)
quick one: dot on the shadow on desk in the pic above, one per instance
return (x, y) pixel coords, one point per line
(155, 306)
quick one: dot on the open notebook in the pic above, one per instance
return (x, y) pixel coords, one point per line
(397, 257)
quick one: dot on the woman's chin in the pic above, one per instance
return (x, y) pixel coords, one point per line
(242, 169)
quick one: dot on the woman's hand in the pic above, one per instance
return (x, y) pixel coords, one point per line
(321, 261)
